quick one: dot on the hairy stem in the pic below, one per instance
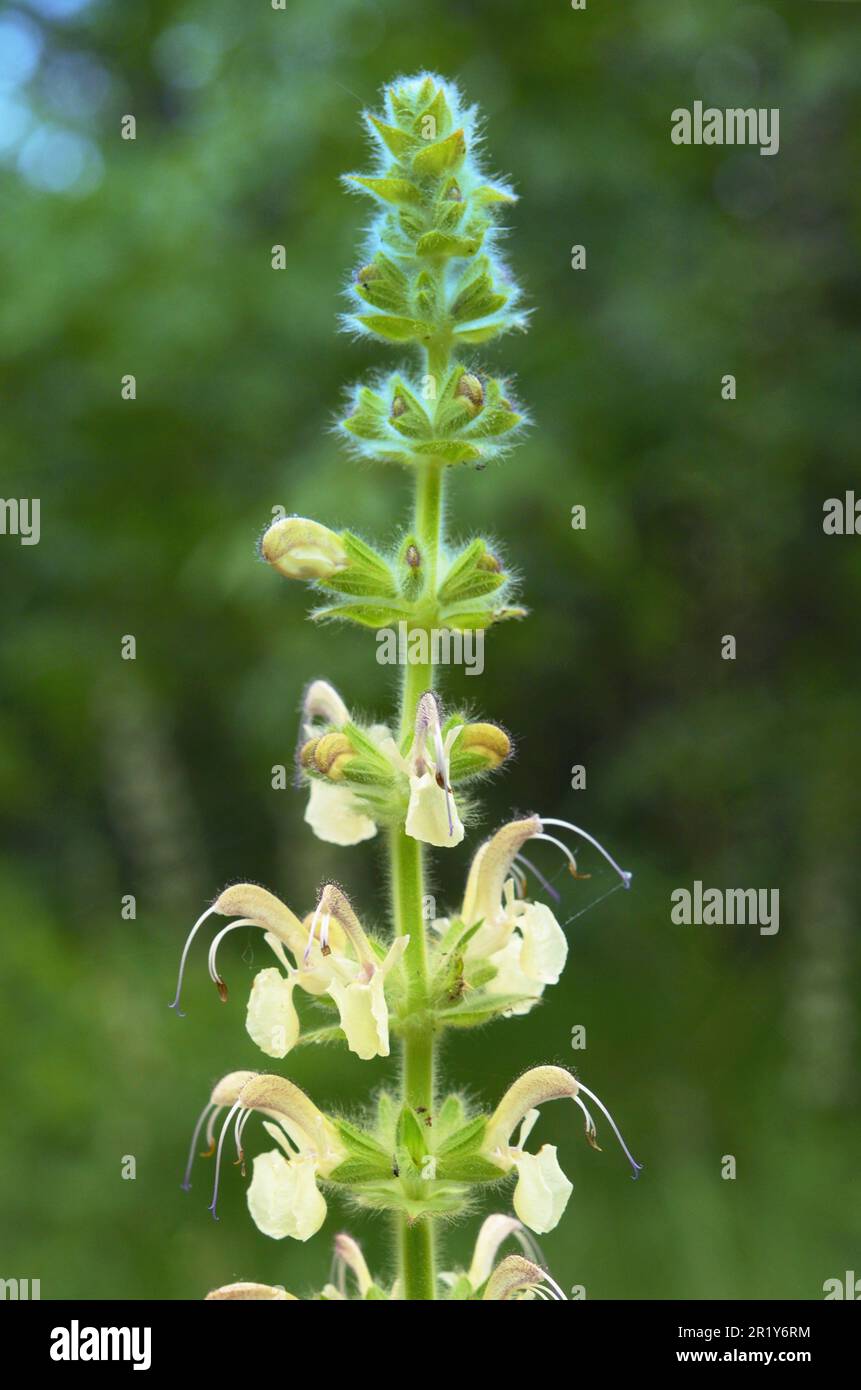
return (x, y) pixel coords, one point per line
(416, 1254)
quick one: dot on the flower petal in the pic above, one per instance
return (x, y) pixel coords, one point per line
(334, 815)
(545, 946)
(272, 1021)
(542, 1190)
(283, 1197)
(427, 814)
(364, 1015)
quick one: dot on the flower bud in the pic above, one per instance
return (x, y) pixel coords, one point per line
(332, 752)
(488, 741)
(306, 753)
(516, 1277)
(245, 1291)
(302, 549)
(470, 389)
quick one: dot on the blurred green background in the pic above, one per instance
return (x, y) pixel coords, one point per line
(152, 777)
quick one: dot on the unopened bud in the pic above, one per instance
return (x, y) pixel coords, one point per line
(399, 406)
(306, 752)
(488, 741)
(331, 755)
(367, 274)
(301, 549)
(470, 388)
(413, 558)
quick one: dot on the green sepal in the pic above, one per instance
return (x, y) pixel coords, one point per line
(412, 421)
(449, 450)
(393, 328)
(442, 157)
(354, 1172)
(472, 1168)
(412, 577)
(466, 1140)
(387, 1116)
(495, 422)
(492, 193)
(483, 333)
(369, 415)
(374, 1294)
(458, 934)
(472, 574)
(360, 1144)
(436, 243)
(397, 142)
(450, 1117)
(368, 751)
(473, 1013)
(391, 299)
(389, 190)
(412, 1137)
(363, 614)
(478, 298)
(473, 620)
(462, 766)
(427, 297)
(368, 563)
(439, 109)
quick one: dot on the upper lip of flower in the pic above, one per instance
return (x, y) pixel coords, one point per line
(533, 1089)
(256, 907)
(241, 1093)
(501, 858)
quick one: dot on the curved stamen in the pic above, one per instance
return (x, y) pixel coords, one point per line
(210, 1130)
(237, 1105)
(545, 883)
(624, 875)
(213, 952)
(192, 1148)
(637, 1167)
(529, 1245)
(519, 876)
(314, 920)
(325, 948)
(569, 854)
(560, 1296)
(442, 771)
(591, 1130)
(188, 940)
(241, 1121)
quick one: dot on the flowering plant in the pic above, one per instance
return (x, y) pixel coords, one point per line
(432, 277)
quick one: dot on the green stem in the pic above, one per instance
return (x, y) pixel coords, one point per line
(416, 1258)
(416, 1242)
(428, 527)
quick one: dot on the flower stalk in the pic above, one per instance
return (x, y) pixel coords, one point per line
(431, 278)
